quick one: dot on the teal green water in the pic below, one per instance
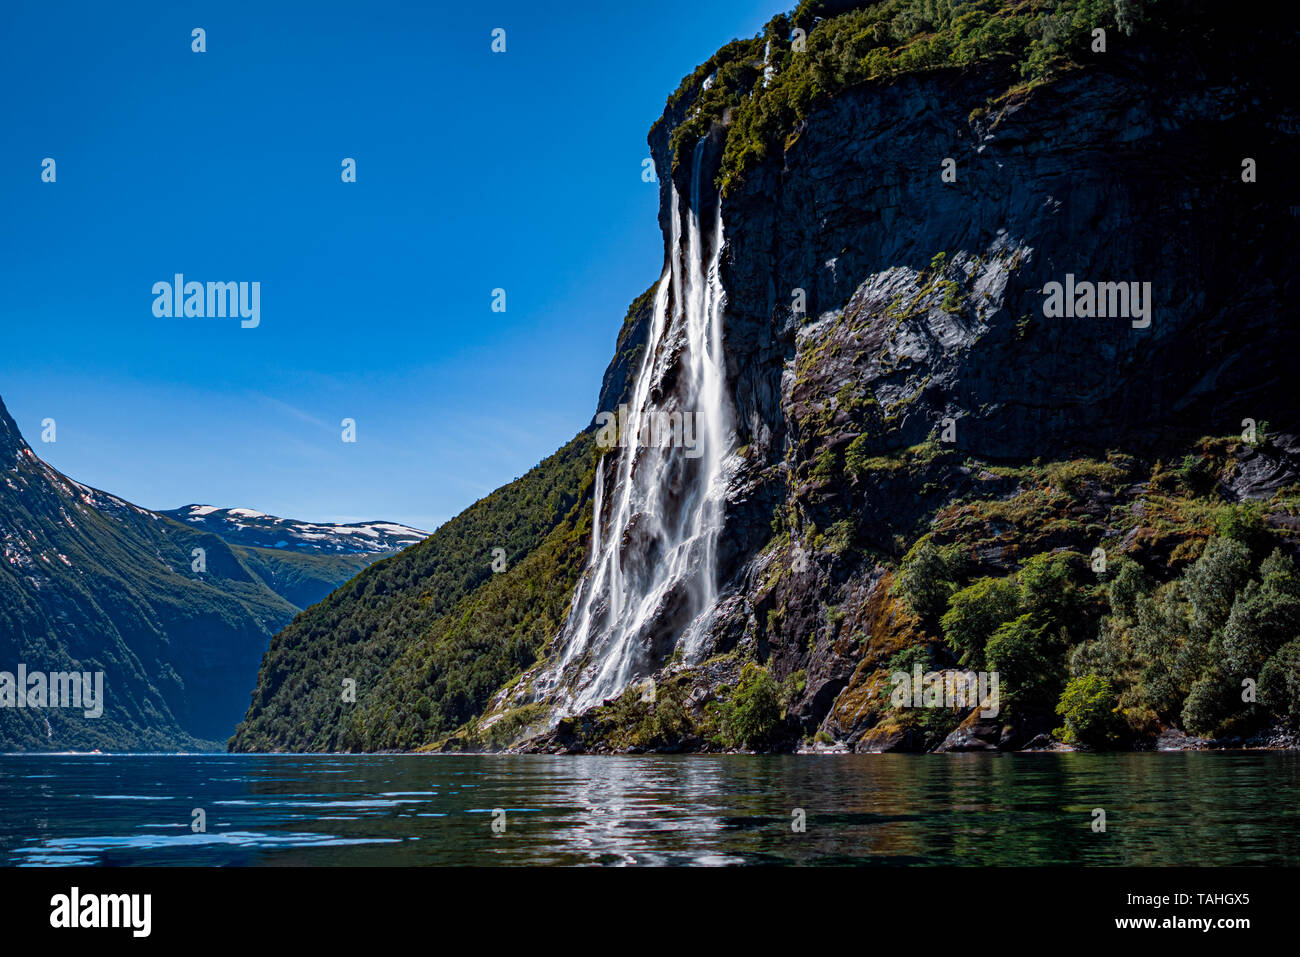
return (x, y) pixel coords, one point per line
(977, 809)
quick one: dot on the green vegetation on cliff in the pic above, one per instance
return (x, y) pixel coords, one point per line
(1186, 618)
(409, 611)
(821, 49)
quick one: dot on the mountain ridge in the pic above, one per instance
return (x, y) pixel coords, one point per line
(245, 526)
(91, 582)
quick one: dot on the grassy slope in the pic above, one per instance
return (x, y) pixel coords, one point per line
(361, 629)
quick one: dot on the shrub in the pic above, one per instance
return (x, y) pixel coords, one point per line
(824, 468)
(911, 656)
(857, 457)
(1244, 523)
(750, 717)
(840, 536)
(1089, 706)
(667, 721)
(1279, 682)
(924, 580)
(975, 613)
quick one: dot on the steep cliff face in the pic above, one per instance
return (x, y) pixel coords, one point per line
(916, 462)
(894, 374)
(1128, 170)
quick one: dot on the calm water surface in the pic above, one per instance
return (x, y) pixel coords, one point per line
(1177, 808)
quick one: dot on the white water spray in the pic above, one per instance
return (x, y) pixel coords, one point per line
(651, 582)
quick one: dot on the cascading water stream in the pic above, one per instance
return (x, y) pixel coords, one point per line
(651, 582)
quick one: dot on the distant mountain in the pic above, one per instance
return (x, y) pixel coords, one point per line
(243, 526)
(91, 583)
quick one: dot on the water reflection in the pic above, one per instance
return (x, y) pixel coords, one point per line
(978, 809)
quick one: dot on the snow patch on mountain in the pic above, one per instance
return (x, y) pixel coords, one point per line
(245, 526)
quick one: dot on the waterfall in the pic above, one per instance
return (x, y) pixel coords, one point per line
(651, 581)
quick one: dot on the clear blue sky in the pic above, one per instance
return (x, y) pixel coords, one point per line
(474, 171)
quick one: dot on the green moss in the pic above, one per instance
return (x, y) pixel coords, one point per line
(1033, 39)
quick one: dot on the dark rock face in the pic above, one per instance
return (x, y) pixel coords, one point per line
(1262, 471)
(1173, 739)
(906, 741)
(1124, 172)
(982, 735)
(924, 319)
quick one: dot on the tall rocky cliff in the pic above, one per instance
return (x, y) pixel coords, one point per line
(874, 303)
(930, 467)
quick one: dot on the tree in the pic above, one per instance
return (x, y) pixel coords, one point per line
(1027, 656)
(975, 613)
(1129, 584)
(1263, 619)
(1278, 572)
(1089, 706)
(1279, 683)
(1211, 583)
(923, 580)
(1212, 700)
(751, 715)
(1048, 591)
(1129, 14)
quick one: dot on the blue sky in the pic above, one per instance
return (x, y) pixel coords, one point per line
(475, 171)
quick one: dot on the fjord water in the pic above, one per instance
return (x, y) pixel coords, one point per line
(977, 809)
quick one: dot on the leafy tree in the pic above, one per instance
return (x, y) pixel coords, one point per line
(924, 580)
(1129, 585)
(751, 715)
(1212, 701)
(1263, 619)
(1129, 14)
(1278, 572)
(1028, 657)
(1279, 682)
(1211, 583)
(975, 613)
(1049, 591)
(1090, 707)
